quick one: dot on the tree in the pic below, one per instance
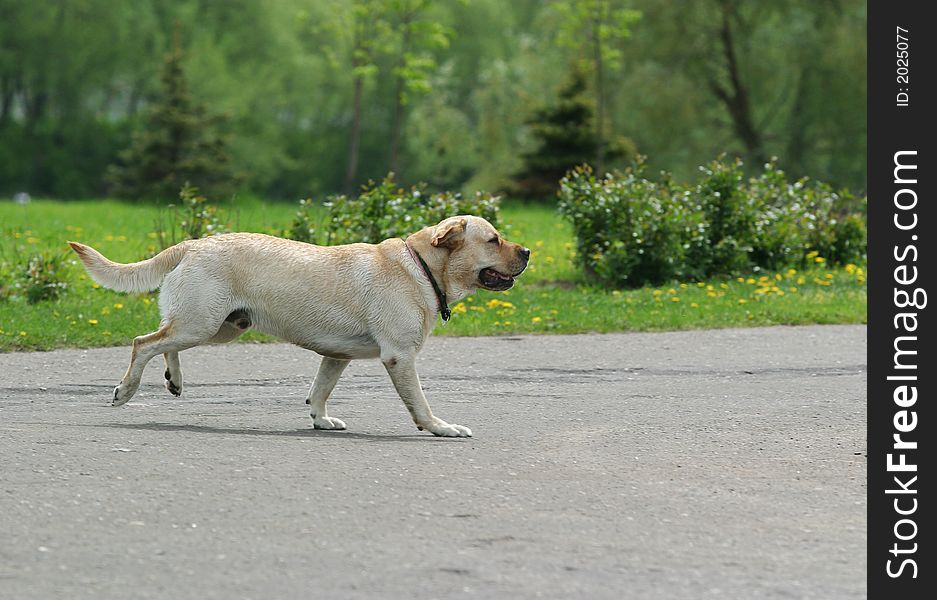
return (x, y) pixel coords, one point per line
(178, 144)
(416, 37)
(593, 28)
(734, 93)
(565, 136)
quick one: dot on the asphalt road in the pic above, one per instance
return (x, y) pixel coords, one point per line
(706, 464)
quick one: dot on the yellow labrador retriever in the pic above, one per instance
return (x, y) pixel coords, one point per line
(344, 302)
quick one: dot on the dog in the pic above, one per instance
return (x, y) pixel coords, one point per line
(355, 301)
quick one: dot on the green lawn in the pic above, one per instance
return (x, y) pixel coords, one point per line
(549, 298)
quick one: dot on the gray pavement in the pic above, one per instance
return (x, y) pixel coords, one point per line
(702, 464)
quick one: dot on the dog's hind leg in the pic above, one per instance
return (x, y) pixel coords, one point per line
(173, 373)
(329, 371)
(168, 339)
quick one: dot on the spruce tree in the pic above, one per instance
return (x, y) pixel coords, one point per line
(566, 137)
(179, 144)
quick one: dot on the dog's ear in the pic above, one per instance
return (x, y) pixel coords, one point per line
(447, 233)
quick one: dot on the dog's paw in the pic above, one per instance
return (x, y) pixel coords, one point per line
(121, 395)
(443, 429)
(328, 423)
(175, 390)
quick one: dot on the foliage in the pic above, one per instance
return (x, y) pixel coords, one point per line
(78, 76)
(194, 217)
(565, 136)
(384, 210)
(632, 231)
(179, 144)
(42, 277)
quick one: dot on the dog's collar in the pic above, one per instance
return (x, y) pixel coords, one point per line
(444, 311)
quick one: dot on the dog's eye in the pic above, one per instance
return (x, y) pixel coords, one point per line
(493, 240)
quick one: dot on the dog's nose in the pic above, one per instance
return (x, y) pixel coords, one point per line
(525, 252)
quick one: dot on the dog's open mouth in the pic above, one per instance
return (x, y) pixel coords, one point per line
(494, 280)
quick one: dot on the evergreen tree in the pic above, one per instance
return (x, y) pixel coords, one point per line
(178, 145)
(566, 137)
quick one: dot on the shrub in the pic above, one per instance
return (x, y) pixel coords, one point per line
(384, 210)
(728, 218)
(796, 218)
(631, 231)
(194, 217)
(42, 278)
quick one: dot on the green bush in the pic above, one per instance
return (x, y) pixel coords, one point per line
(631, 231)
(192, 218)
(42, 277)
(384, 210)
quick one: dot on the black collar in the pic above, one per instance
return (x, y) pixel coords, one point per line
(444, 311)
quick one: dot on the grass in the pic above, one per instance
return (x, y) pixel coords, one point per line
(549, 298)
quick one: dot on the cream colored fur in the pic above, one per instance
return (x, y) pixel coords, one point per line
(344, 302)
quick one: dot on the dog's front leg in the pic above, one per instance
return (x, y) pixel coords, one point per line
(402, 371)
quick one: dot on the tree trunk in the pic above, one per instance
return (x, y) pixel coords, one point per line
(397, 127)
(352, 173)
(599, 93)
(736, 98)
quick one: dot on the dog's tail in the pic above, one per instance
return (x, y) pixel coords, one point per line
(140, 276)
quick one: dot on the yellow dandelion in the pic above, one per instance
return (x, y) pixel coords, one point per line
(812, 254)
(742, 301)
(724, 286)
(539, 243)
(750, 280)
(801, 281)
(829, 276)
(671, 291)
(616, 292)
(710, 288)
(791, 272)
(740, 279)
(118, 306)
(658, 292)
(819, 260)
(712, 294)
(23, 334)
(792, 290)
(777, 277)
(536, 320)
(675, 299)
(694, 305)
(93, 321)
(95, 286)
(700, 284)
(683, 286)
(850, 268)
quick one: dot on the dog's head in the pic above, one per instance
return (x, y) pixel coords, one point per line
(474, 255)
